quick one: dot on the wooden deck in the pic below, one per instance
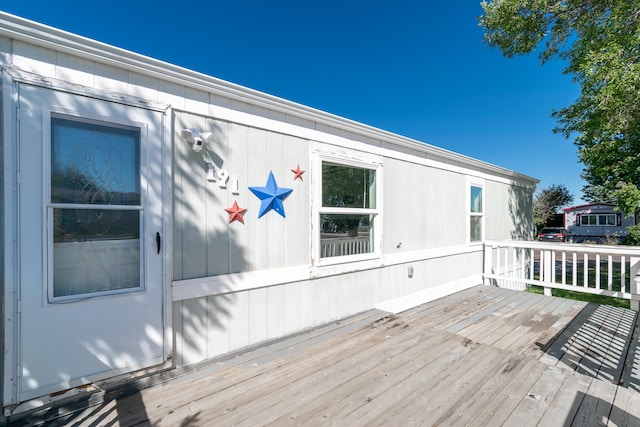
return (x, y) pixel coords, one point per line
(482, 357)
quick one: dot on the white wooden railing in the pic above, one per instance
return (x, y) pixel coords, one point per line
(344, 246)
(596, 269)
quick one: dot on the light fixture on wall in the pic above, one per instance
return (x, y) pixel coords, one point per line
(199, 140)
(196, 139)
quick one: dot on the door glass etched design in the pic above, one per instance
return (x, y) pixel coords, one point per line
(93, 163)
(95, 207)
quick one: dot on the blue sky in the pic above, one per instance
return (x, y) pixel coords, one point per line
(416, 68)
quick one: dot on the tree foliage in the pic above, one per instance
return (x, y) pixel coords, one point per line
(626, 197)
(633, 235)
(547, 203)
(600, 42)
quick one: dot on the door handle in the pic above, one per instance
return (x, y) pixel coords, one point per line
(158, 242)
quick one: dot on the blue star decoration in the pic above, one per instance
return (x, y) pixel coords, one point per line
(272, 196)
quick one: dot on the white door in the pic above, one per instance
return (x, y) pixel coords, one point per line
(90, 245)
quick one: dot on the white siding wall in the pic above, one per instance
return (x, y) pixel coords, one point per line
(425, 212)
(508, 212)
(206, 244)
(210, 326)
(425, 207)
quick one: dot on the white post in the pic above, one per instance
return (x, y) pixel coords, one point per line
(549, 270)
(634, 274)
(488, 249)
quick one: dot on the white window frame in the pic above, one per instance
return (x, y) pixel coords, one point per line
(479, 183)
(323, 153)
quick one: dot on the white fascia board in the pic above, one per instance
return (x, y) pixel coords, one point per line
(32, 32)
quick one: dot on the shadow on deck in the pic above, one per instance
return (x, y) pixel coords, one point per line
(602, 342)
(484, 356)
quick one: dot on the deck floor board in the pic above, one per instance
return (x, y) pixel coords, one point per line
(481, 357)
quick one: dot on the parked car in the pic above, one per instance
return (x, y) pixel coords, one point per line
(552, 234)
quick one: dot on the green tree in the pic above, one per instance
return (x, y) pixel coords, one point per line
(547, 203)
(633, 235)
(600, 42)
(626, 197)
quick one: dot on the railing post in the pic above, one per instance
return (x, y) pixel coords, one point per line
(634, 274)
(488, 253)
(547, 274)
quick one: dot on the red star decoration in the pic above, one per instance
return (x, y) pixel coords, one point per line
(235, 213)
(298, 173)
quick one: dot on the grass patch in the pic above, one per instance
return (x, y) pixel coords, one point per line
(580, 296)
(616, 276)
(616, 281)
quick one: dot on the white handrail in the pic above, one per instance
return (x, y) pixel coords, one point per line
(596, 269)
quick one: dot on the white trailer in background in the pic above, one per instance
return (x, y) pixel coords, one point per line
(596, 222)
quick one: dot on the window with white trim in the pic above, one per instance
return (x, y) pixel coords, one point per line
(476, 213)
(349, 210)
(599, 219)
